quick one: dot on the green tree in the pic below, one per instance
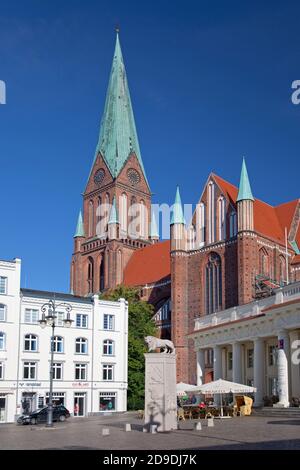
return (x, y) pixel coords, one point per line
(140, 324)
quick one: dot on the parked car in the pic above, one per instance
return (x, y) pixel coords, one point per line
(60, 413)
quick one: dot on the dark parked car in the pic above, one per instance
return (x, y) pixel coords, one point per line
(60, 413)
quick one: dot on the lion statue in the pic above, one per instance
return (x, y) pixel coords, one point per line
(164, 344)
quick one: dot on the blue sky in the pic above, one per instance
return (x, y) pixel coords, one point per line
(210, 82)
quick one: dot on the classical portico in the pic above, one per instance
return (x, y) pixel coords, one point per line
(256, 344)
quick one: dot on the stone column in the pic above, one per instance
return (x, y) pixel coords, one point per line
(217, 362)
(259, 359)
(160, 392)
(200, 366)
(237, 362)
(282, 369)
(295, 363)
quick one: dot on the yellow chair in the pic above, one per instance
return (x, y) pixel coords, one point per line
(243, 406)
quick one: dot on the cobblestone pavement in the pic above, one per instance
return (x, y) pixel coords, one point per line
(252, 432)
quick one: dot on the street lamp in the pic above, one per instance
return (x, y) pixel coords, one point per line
(49, 320)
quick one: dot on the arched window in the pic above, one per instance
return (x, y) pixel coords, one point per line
(213, 283)
(134, 218)
(264, 267)
(119, 266)
(143, 220)
(191, 237)
(30, 343)
(2, 340)
(211, 213)
(282, 269)
(81, 346)
(99, 217)
(57, 344)
(102, 274)
(124, 213)
(2, 312)
(91, 218)
(108, 347)
(90, 274)
(201, 224)
(222, 218)
(232, 224)
(106, 214)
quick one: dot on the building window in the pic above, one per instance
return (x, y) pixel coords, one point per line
(229, 359)
(191, 237)
(273, 386)
(60, 318)
(2, 312)
(31, 315)
(108, 322)
(3, 285)
(108, 347)
(81, 346)
(250, 356)
(80, 371)
(211, 213)
(282, 270)
(57, 371)
(57, 344)
(250, 382)
(81, 320)
(222, 218)
(91, 218)
(264, 262)
(1, 371)
(143, 220)
(213, 284)
(272, 355)
(209, 357)
(201, 223)
(2, 341)
(41, 402)
(107, 401)
(90, 274)
(29, 370)
(124, 213)
(107, 372)
(233, 225)
(30, 343)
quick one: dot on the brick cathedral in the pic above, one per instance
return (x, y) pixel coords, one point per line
(236, 248)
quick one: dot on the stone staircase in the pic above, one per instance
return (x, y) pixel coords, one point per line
(268, 411)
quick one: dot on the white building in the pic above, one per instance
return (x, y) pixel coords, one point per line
(90, 359)
(256, 344)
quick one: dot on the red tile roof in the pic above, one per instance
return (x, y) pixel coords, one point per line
(268, 220)
(148, 265)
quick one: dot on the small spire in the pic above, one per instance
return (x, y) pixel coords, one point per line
(177, 216)
(245, 192)
(79, 229)
(113, 216)
(153, 230)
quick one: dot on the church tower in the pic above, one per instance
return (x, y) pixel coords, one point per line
(117, 198)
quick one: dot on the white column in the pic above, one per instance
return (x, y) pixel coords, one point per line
(282, 369)
(237, 362)
(200, 367)
(295, 364)
(217, 362)
(259, 360)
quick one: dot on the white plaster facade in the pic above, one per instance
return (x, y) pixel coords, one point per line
(256, 344)
(90, 375)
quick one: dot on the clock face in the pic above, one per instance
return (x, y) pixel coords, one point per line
(99, 176)
(133, 176)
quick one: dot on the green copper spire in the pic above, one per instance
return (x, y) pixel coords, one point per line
(113, 216)
(244, 188)
(118, 136)
(153, 229)
(177, 212)
(79, 229)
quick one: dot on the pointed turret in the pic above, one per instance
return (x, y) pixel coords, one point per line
(154, 235)
(245, 192)
(178, 232)
(79, 228)
(245, 202)
(113, 222)
(118, 137)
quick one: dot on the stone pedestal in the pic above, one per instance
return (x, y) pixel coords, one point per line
(160, 391)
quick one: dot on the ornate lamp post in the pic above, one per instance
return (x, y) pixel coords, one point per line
(49, 308)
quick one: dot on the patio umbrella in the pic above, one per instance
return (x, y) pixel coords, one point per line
(220, 387)
(182, 389)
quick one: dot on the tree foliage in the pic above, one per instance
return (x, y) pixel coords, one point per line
(140, 324)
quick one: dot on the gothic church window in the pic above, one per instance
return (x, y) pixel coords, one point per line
(213, 277)
(222, 218)
(91, 275)
(233, 225)
(264, 267)
(211, 213)
(91, 218)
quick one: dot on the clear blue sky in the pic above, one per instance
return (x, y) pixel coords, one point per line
(210, 82)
